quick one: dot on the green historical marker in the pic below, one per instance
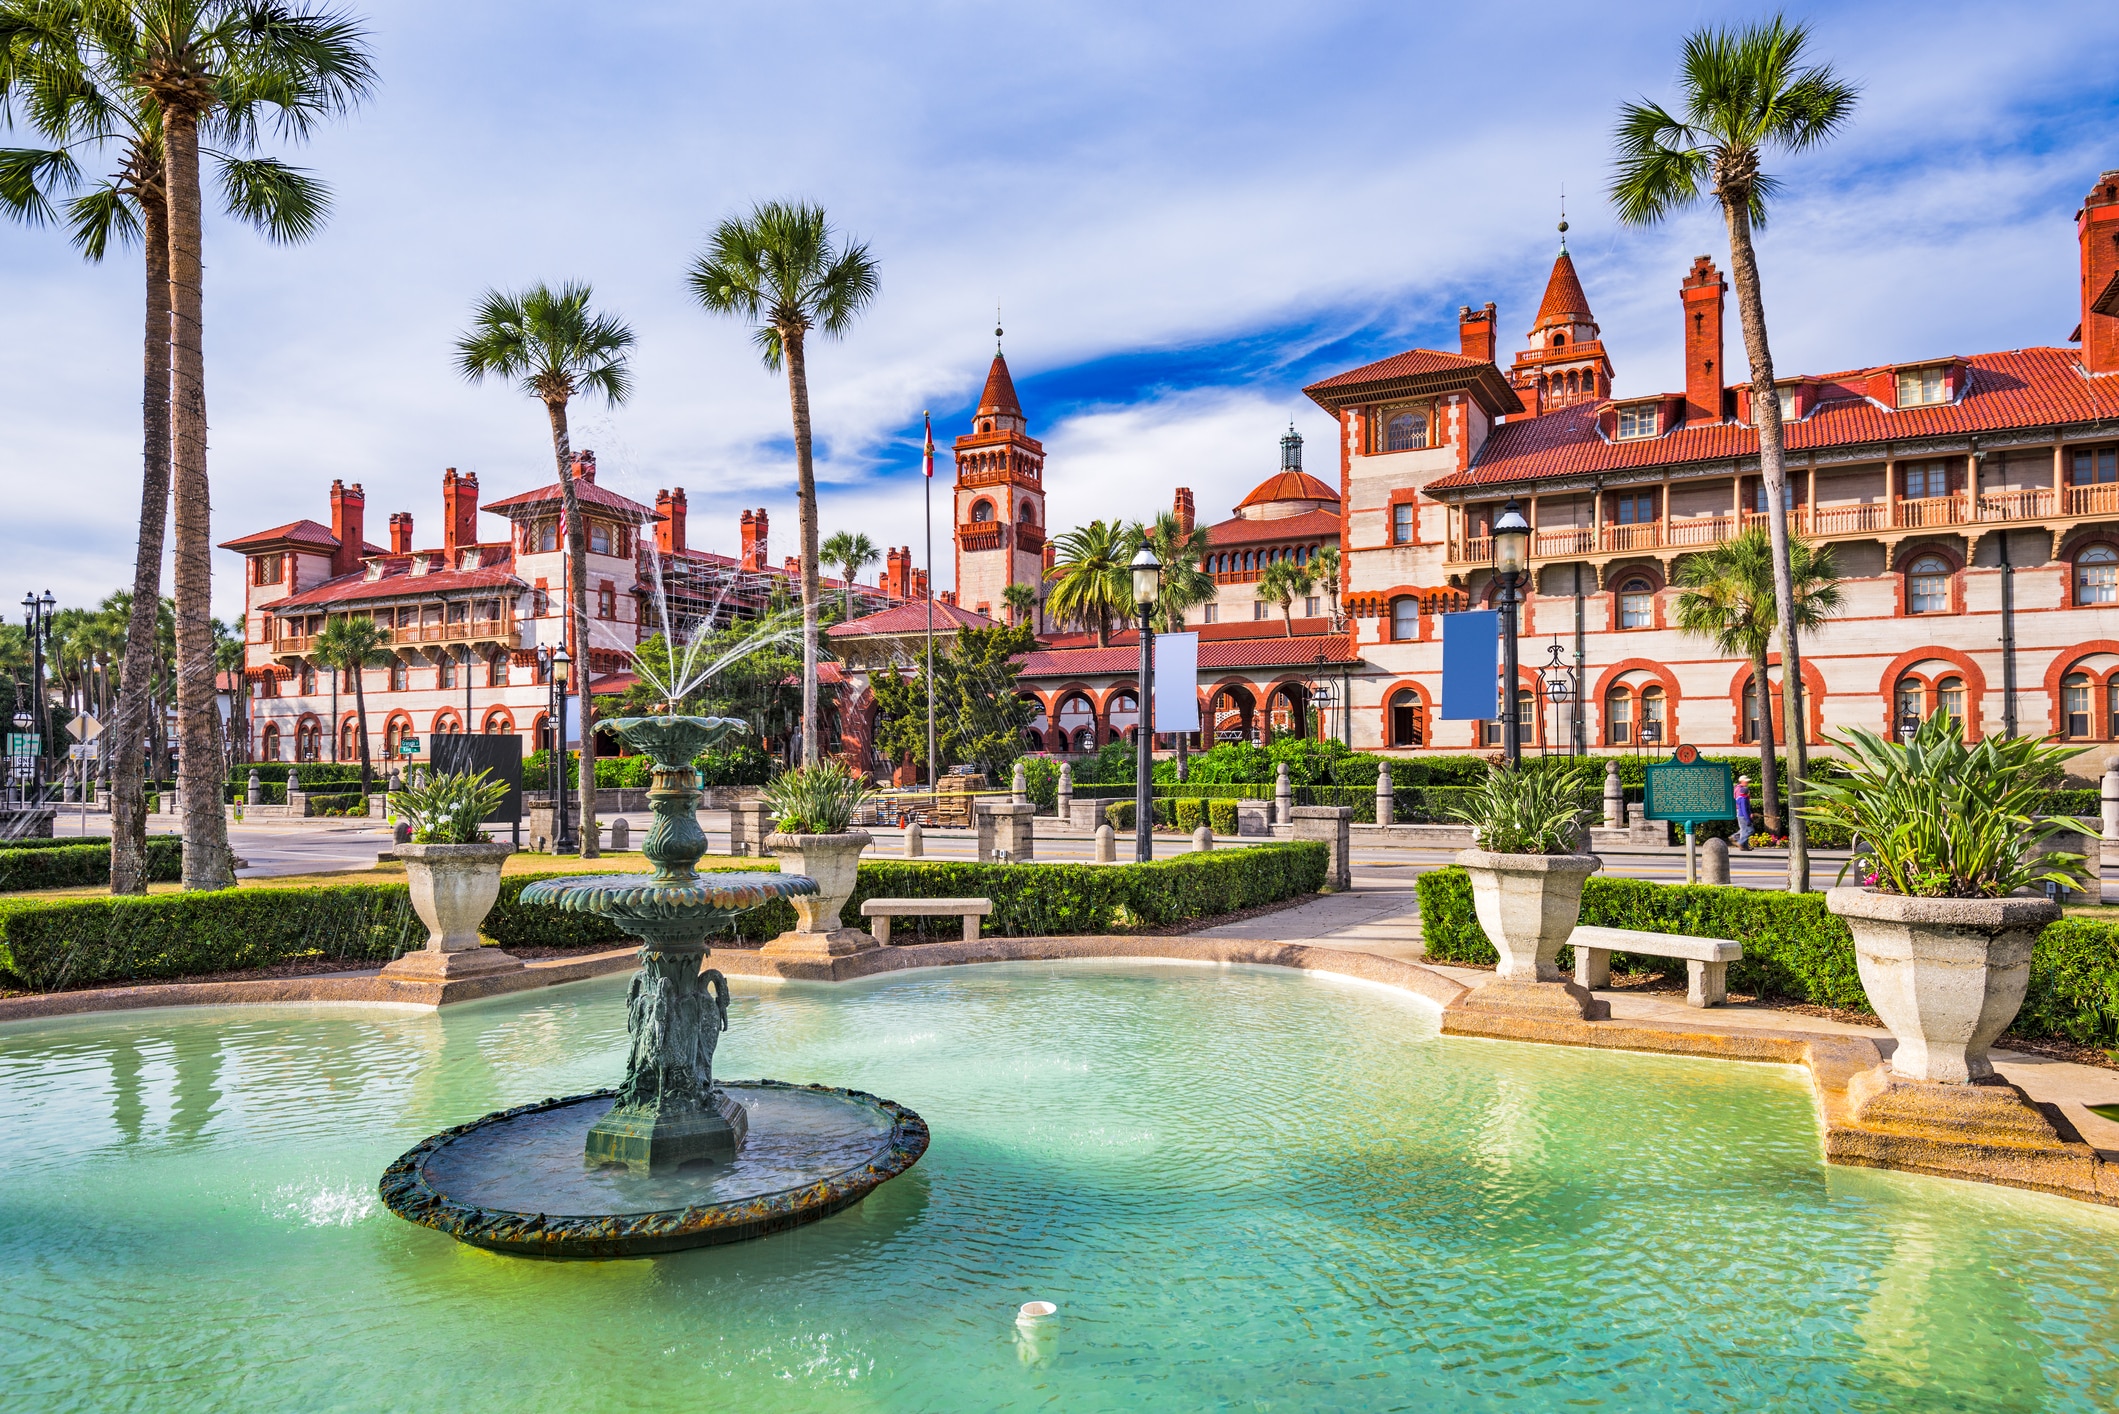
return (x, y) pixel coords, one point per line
(1688, 790)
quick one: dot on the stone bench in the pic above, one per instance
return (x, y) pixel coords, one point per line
(882, 910)
(1706, 959)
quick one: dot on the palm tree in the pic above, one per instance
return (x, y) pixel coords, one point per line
(348, 644)
(555, 347)
(1090, 578)
(1726, 596)
(1283, 582)
(1020, 599)
(1327, 563)
(76, 74)
(1744, 92)
(779, 269)
(207, 65)
(850, 552)
(1185, 586)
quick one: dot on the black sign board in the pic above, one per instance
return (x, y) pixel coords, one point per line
(499, 756)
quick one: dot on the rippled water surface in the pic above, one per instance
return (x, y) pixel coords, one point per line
(1245, 1189)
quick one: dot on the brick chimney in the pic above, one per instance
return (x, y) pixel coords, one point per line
(2097, 224)
(459, 513)
(1475, 331)
(669, 530)
(585, 466)
(897, 572)
(349, 515)
(401, 532)
(754, 539)
(792, 567)
(1183, 508)
(919, 581)
(1703, 292)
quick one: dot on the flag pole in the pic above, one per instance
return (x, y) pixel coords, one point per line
(934, 782)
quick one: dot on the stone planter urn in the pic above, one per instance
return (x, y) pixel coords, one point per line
(1945, 974)
(1529, 905)
(831, 860)
(453, 887)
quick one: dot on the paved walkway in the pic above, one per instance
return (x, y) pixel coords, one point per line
(1382, 916)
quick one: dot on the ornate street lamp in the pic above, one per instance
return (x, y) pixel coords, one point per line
(1558, 679)
(1147, 588)
(557, 665)
(1511, 559)
(36, 621)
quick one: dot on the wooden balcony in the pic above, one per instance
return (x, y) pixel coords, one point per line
(981, 535)
(502, 630)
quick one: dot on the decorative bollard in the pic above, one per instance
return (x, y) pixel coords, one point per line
(1385, 802)
(1203, 839)
(1716, 870)
(1614, 799)
(915, 843)
(621, 834)
(254, 793)
(1283, 796)
(1019, 785)
(1064, 807)
(1106, 845)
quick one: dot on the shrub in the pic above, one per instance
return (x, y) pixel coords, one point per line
(1221, 815)
(75, 943)
(1041, 780)
(56, 842)
(1120, 814)
(351, 803)
(1189, 814)
(1529, 811)
(448, 809)
(2074, 990)
(76, 864)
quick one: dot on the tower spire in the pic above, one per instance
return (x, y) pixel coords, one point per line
(996, 329)
(1563, 216)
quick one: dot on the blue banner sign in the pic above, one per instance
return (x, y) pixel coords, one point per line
(1471, 665)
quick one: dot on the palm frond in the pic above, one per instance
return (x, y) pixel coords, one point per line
(284, 202)
(28, 178)
(100, 215)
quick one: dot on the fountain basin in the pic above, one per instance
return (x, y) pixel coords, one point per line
(515, 1181)
(641, 902)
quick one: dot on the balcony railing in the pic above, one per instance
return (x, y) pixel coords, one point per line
(502, 629)
(981, 535)
(2101, 499)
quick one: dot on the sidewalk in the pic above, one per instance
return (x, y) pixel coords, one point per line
(1381, 916)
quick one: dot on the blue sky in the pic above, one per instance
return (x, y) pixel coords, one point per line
(1185, 212)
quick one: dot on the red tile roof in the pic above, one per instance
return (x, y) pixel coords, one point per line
(1215, 655)
(2020, 389)
(1288, 485)
(1308, 526)
(911, 617)
(1414, 371)
(585, 490)
(1563, 295)
(298, 532)
(999, 396)
(398, 583)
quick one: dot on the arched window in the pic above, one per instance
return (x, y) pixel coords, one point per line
(399, 675)
(308, 679)
(497, 670)
(1911, 704)
(1405, 619)
(1028, 516)
(2112, 708)
(269, 743)
(1618, 717)
(2097, 575)
(982, 513)
(498, 724)
(1122, 714)
(1559, 340)
(394, 735)
(1077, 722)
(1637, 604)
(1751, 716)
(2075, 703)
(349, 740)
(1928, 585)
(1407, 728)
(1652, 715)
(1405, 432)
(1949, 700)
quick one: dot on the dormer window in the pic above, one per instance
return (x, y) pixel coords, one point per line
(1790, 405)
(1559, 340)
(1637, 420)
(1920, 387)
(419, 564)
(471, 558)
(375, 571)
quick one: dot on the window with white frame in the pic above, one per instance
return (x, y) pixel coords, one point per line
(1636, 604)
(2097, 576)
(1637, 420)
(1405, 619)
(1210, 613)
(1618, 717)
(1402, 523)
(1928, 585)
(2075, 703)
(1918, 387)
(1925, 480)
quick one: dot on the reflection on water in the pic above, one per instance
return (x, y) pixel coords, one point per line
(1243, 1188)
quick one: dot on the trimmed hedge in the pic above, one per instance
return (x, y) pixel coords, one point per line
(1795, 948)
(76, 943)
(56, 842)
(76, 864)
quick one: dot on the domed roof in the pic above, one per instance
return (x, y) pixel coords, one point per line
(1289, 485)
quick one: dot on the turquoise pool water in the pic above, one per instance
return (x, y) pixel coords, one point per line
(1245, 1189)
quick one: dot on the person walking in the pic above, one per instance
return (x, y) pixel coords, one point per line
(1743, 812)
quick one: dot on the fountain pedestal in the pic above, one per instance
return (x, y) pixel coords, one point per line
(668, 1111)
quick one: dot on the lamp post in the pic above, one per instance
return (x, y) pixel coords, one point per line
(36, 619)
(1511, 555)
(556, 664)
(1147, 588)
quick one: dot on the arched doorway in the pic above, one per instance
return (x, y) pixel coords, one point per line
(1231, 713)
(1122, 715)
(1035, 734)
(1288, 711)
(1077, 724)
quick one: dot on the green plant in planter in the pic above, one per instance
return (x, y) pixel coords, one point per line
(815, 800)
(448, 809)
(1528, 810)
(1943, 818)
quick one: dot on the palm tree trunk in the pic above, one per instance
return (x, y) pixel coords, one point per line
(1766, 413)
(360, 717)
(806, 514)
(198, 718)
(1768, 768)
(577, 551)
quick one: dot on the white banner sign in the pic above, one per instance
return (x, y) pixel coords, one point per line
(1177, 682)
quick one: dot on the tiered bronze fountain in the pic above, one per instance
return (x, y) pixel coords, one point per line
(668, 1159)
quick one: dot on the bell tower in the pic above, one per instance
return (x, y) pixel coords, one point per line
(1565, 362)
(1000, 498)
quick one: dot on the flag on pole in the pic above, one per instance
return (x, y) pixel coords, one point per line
(928, 421)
